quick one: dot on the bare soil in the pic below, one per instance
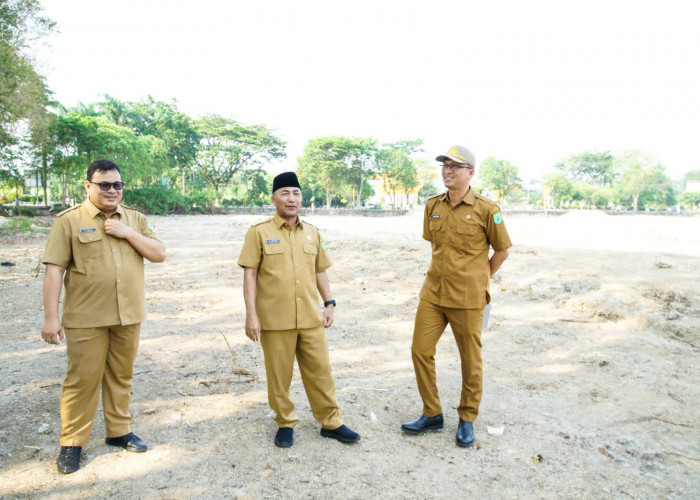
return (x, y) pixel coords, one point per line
(590, 371)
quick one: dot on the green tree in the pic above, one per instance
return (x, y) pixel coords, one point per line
(20, 85)
(590, 168)
(641, 174)
(690, 200)
(557, 188)
(164, 121)
(226, 147)
(323, 165)
(500, 177)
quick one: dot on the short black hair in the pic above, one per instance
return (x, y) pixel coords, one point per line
(102, 164)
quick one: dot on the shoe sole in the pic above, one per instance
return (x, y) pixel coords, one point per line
(338, 438)
(415, 433)
(67, 470)
(465, 445)
(127, 448)
(283, 445)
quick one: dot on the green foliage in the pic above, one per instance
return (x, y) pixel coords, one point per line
(558, 189)
(23, 224)
(159, 201)
(20, 85)
(500, 177)
(690, 200)
(590, 168)
(228, 147)
(642, 179)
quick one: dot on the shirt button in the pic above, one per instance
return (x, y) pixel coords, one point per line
(298, 298)
(297, 281)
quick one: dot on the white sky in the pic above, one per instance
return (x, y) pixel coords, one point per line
(528, 81)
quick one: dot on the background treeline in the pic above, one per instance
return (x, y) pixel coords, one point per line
(173, 163)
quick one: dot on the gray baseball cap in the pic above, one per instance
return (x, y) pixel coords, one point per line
(460, 154)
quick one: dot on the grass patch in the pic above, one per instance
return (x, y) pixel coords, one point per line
(22, 225)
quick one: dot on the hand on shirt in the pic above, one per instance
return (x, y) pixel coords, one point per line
(117, 228)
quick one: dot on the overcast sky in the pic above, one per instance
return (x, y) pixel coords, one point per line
(528, 81)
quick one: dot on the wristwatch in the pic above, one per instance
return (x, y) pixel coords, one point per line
(329, 303)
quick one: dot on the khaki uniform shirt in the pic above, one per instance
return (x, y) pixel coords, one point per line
(104, 275)
(459, 272)
(287, 259)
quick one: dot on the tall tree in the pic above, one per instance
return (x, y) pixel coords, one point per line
(590, 167)
(324, 165)
(20, 85)
(499, 176)
(640, 173)
(226, 147)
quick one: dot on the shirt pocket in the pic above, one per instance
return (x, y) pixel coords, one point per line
(273, 255)
(89, 246)
(310, 254)
(472, 235)
(436, 230)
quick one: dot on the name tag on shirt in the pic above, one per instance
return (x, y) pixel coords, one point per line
(272, 241)
(88, 230)
(436, 216)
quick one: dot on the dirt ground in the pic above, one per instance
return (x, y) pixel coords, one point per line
(591, 387)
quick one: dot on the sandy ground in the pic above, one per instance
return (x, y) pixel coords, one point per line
(590, 371)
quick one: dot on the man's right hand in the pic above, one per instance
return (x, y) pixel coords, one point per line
(252, 327)
(52, 331)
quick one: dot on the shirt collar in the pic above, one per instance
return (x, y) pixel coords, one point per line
(279, 221)
(93, 210)
(467, 200)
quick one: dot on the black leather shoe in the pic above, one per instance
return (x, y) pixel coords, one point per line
(342, 434)
(422, 424)
(130, 442)
(68, 460)
(465, 434)
(284, 437)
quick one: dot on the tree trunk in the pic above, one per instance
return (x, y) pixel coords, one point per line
(359, 191)
(183, 182)
(635, 201)
(328, 198)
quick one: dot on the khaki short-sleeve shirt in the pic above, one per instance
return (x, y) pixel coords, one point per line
(104, 277)
(459, 273)
(287, 259)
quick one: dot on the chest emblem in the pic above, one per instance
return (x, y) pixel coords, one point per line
(436, 216)
(88, 230)
(272, 241)
(468, 217)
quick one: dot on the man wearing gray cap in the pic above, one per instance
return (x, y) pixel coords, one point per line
(284, 268)
(461, 226)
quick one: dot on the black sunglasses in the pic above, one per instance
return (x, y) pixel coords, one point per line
(104, 186)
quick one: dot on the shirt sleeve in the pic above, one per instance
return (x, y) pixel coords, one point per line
(323, 261)
(251, 253)
(496, 230)
(145, 228)
(58, 248)
(426, 223)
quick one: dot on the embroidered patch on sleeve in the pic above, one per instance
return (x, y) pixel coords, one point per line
(497, 218)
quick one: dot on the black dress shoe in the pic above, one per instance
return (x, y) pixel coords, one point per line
(342, 434)
(422, 424)
(284, 437)
(130, 442)
(465, 434)
(68, 460)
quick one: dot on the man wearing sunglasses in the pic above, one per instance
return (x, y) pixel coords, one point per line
(96, 249)
(461, 226)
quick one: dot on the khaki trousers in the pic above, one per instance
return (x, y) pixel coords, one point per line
(311, 350)
(102, 356)
(430, 323)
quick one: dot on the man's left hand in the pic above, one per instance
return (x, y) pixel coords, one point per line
(328, 316)
(117, 228)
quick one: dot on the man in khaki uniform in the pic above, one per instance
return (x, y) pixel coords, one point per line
(461, 226)
(285, 262)
(99, 246)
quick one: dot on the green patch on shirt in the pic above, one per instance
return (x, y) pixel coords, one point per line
(325, 248)
(497, 218)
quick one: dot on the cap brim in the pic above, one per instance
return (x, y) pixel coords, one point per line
(453, 158)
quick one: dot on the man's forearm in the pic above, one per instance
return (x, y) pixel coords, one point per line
(496, 260)
(250, 287)
(53, 283)
(324, 286)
